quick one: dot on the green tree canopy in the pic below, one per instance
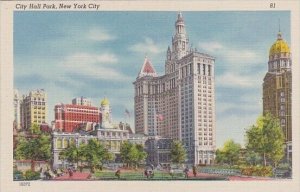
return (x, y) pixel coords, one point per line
(178, 152)
(229, 154)
(132, 154)
(266, 139)
(35, 129)
(93, 153)
(36, 148)
(71, 154)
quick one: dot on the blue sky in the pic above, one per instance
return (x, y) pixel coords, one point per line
(98, 54)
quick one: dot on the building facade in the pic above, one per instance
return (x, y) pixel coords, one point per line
(17, 110)
(277, 89)
(69, 116)
(158, 150)
(82, 101)
(109, 134)
(33, 108)
(181, 103)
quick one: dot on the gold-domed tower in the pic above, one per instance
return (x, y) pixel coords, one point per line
(104, 102)
(106, 120)
(279, 55)
(279, 47)
(277, 88)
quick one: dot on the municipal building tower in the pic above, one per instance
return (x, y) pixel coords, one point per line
(181, 103)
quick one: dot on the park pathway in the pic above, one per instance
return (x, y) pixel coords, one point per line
(76, 176)
(231, 178)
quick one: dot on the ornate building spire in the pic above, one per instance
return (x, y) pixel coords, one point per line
(180, 39)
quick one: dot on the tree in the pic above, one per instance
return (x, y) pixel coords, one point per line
(142, 155)
(71, 154)
(266, 139)
(132, 154)
(229, 154)
(35, 129)
(220, 156)
(93, 153)
(125, 152)
(252, 158)
(178, 153)
(37, 148)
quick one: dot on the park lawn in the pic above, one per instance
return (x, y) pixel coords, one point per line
(138, 175)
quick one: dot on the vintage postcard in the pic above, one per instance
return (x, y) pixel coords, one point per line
(149, 96)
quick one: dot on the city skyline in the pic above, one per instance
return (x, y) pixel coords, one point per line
(240, 41)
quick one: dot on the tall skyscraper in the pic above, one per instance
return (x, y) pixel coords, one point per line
(181, 103)
(277, 88)
(33, 108)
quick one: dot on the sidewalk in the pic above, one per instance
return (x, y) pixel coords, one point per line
(245, 178)
(231, 178)
(76, 176)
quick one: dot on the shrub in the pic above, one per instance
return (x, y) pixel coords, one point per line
(257, 171)
(32, 175)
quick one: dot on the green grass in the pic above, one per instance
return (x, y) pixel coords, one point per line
(138, 175)
(158, 175)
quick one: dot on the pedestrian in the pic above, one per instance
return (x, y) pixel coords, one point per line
(146, 173)
(194, 171)
(171, 172)
(186, 172)
(70, 172)
(118, 173)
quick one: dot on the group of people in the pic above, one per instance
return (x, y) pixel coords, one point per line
(149, 173)
(185, 171)
(46, 173)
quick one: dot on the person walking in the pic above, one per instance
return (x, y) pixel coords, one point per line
(171, 172)
(194, 171)
(118, 173)
(186, 172)
(146, 173)
(70, 172)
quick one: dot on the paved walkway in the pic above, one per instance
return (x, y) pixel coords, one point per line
(245, 178)
(76, 176)
(231, 178)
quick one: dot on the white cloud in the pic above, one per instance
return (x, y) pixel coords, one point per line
(87, 58)
(237, 80)
(96, 66)
(148, 46)
(243, 58)
(233, 56)
(97, 34)
(211, 46)
(246, 106)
